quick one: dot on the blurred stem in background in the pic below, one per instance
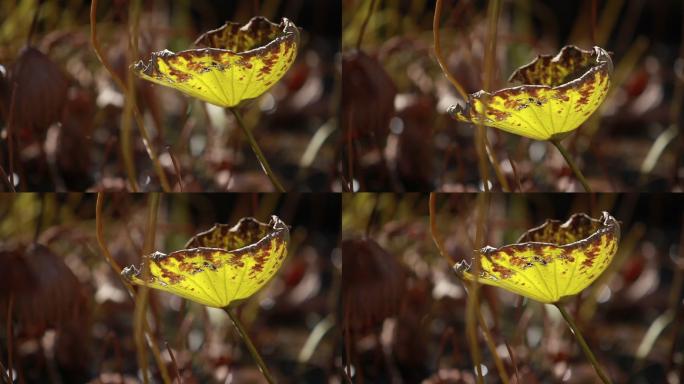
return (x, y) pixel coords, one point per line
(136, 113)
(143, 292)
(482, 143)
(10, 339)
(129, 101)
(99, 232)
(257, 151)
(476, 317)
(359, 40)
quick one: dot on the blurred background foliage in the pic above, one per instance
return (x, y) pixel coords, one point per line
(70, 119)
(632, 316)
(395, 95)
(73, 319)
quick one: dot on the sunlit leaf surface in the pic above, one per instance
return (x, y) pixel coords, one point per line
(551, 261)
(221, 265)
(556, 96)
(231, 64)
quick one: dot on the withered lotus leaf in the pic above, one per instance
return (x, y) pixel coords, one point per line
(40, 94)
(46, 293)
(220, 266)
(373, 284)
(368, 94)
(551, 261)
(558, 93)
(231, 64)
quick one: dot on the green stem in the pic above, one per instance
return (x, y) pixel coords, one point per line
(572, 165)
(250, 346)
(584, 345)
(257, 151)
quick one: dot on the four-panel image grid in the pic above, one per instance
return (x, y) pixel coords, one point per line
(341, 191)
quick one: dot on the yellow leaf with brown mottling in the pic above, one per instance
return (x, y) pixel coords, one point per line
(232, 64)
(551, 261)
(221, 265)
(556, 96)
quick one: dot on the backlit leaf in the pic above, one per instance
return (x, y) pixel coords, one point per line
(231, 64)
(556, 96)
(551, 261)
(221, 265)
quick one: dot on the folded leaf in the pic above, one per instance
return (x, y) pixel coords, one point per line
(232, 64)
(556, 96)
(551, 261)
(221, 265)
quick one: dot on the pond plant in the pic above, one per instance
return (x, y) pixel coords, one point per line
(555, 96)
(220, 268)
(229, 67)
(549, 263)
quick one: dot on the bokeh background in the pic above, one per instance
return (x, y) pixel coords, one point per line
(294, 123)
(405, 313)
(395, 95)
(73, 320)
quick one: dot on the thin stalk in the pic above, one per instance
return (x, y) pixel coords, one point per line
(125, 128)
(436, 234)
(495, 164)
(257, 151)
(5, 179)
(10, 338)
(136, 113)
(489, 339)
(480, 136)
(493, 12)
(10, 136)
(438, 51)
(176, 167)
(350, 155)
(583, 344)
(462, 92)
(34, 23)
(99, 233)
(472, 303)
(174, 363)
(3, 373)
(129, 102)
(250, 346)
(572, 165)
(362, 32)
(143, 294)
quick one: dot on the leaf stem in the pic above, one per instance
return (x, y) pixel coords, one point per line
(250, 346)
(257, 151)
(438, 52)
(583, 344)
(572, 165)
(362, 32)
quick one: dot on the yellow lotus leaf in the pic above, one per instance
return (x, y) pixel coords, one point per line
(556, 96)
(231, 64)
(221, 265)
(551, 261)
